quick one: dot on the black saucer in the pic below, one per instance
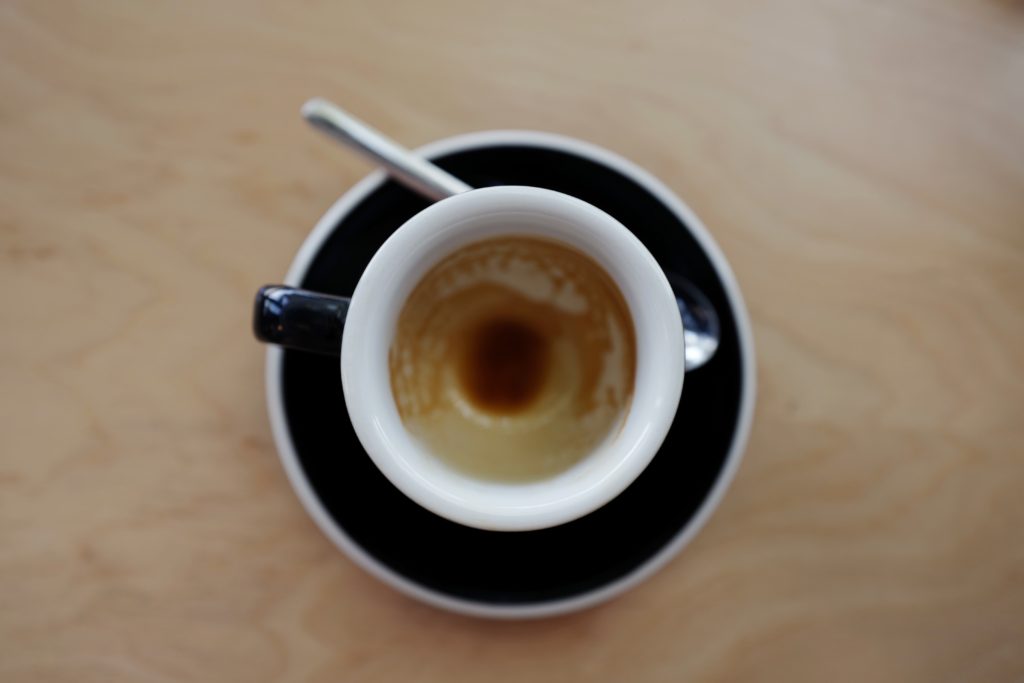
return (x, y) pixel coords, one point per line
(505, 569)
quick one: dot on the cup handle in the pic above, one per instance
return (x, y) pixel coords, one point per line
(299, 319)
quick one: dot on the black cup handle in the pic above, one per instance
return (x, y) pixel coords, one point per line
(299, 319)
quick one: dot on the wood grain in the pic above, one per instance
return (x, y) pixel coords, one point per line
(861, 163)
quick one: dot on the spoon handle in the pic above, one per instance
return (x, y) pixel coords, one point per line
(406, 167)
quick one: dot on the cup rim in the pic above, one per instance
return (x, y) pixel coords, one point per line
(315, 508)
(400, 263)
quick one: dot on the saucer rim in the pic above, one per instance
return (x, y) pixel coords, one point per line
(288, 455)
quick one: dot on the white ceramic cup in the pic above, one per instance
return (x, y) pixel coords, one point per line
(370, 319)
(401, 263)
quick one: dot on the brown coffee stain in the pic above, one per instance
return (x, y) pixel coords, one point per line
(506, 364)
(513, 358)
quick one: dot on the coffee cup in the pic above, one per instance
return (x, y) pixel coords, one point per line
(511, 358)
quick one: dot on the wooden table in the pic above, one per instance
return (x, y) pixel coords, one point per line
(861, 164)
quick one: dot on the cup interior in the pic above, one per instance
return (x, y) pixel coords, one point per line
(398, 267)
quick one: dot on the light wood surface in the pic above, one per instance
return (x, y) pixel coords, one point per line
(860, 163)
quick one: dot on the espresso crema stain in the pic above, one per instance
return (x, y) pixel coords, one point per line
(513, 358)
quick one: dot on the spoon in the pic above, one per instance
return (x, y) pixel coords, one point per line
(700, 321)
(411, 170)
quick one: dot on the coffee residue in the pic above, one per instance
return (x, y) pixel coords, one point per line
(513, 358)
(505, 364)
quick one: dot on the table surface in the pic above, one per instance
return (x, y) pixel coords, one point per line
(860, 163)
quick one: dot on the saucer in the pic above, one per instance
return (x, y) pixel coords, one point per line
(532, 573)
